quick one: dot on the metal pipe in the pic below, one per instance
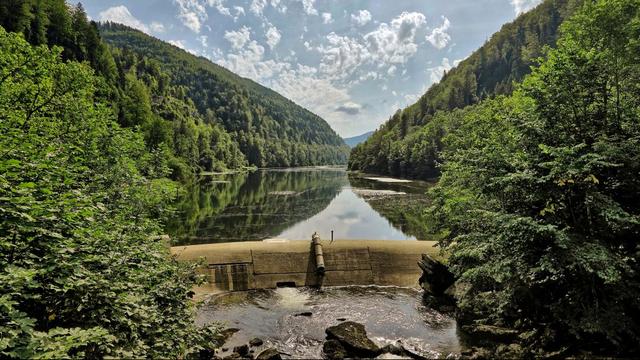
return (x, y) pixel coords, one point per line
(317, 248)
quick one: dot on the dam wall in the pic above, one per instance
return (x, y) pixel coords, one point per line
(269, 264)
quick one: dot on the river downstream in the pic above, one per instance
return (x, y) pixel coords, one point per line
(293, 320)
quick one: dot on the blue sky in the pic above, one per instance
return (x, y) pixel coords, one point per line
(354, 63)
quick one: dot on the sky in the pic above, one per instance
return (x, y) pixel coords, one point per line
(352, 62)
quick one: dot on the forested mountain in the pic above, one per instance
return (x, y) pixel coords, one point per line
(270, 129)
(355, 140)
(409, 143)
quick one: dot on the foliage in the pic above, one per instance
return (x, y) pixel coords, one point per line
(410, 142)
(539, 196)
(79, 198)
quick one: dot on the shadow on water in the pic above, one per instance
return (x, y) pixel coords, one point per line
(293, 203)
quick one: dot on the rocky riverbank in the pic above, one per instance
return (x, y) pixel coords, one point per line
(482, 339)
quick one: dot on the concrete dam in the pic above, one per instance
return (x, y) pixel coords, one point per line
(268, 264)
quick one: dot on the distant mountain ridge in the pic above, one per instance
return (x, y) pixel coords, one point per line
(355, 140)
(271, 130)
(400, 148)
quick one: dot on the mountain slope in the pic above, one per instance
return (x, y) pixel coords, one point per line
(405, 147)
(270, 129)
(355, 140)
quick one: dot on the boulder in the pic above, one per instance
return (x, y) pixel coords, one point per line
(436, 277)
(242, 350)
(353, 337)
(333, 350)
(255, 342)
(269, 354)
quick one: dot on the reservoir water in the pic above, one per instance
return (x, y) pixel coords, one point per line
(294, 203)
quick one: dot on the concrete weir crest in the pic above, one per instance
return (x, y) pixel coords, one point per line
(249, 265)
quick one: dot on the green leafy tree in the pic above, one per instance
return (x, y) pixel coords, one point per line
(539, 197)
(79, 199)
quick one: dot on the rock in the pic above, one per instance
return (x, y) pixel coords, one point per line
(399, 350)
(512, 351)
(306, 313)
(255, 342)
(269, 354)
(394, 349)
(492, 333)
(227, 333)
(334, 350)
(242, 350)
(476, 353)
(436, 277)
(353, 337)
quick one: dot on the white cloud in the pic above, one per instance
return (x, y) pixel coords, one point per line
(191, 13)
(157, 27)
(273, 36)
(178, 43)
(439, 37)
(219, 5)
(238, 38)
(342, 56)
(203, 40)
(257, 7)
(327, 18)
(520, 6)
(392, 70)
(362, 18)
(239, 11)
(395, 43)
(437, 72)
(308, 7)
(120, 14)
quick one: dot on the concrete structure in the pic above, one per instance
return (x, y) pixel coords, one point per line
(269, 264)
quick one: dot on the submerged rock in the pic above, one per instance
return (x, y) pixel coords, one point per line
(255, 342)
(306, 314)
(242, 350)
(269, 354)
(353, 338)
(333, 350)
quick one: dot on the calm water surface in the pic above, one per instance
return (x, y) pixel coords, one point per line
(294, 203)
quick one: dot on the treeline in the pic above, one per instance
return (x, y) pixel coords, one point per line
(539, 198)
(80, 198)
(271, 130)
(409, 144)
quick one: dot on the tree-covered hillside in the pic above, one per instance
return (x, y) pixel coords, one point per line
(539, 199)
(409, 143)
(270, 129)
